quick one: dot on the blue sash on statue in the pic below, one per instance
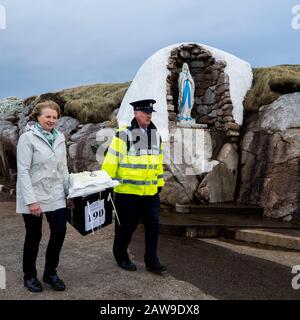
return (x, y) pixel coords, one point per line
(186, 95)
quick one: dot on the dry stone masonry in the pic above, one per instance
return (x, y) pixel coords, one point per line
(213, 105)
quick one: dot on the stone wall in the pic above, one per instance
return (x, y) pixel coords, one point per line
(213, 108)
(213, 105)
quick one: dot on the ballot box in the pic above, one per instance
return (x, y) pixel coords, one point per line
(92, 212)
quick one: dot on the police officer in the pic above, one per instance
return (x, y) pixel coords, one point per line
(135, 159)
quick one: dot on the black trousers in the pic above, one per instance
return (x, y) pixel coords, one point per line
(131, 209)
(58, 226)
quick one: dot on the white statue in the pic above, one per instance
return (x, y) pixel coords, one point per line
(186, 88)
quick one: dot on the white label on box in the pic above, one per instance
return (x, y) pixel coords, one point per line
(97, 214)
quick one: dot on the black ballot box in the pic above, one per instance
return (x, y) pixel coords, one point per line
(92, 212)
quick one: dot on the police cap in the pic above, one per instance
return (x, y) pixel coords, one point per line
(143, 105)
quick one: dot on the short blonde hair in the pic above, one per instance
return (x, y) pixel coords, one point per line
(48, 104)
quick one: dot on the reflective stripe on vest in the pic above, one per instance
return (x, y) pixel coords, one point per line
(115, 153)
(138, 166)
(138, 182)
(143, 152)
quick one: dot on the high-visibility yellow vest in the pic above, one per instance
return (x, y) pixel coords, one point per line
(135, 159)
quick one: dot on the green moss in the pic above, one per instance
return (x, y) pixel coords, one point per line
(270, 83)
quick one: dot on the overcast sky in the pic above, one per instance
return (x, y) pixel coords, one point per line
(49, 45)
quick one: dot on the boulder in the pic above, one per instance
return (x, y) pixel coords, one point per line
(10, 104)
(83, 150)
(67, 125)
(174, 191)
(8, 141)
(270, 159)
(24, 118)
(218, 185)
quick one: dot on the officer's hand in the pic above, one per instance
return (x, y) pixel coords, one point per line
(35, 209)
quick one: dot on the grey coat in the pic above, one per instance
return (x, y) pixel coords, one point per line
(43, 175)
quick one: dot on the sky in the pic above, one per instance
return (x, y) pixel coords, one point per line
(50, 45)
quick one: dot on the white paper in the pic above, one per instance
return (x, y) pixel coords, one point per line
(97, 214)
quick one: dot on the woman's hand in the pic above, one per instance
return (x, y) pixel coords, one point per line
(35, 209)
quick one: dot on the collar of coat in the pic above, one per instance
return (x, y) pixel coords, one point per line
(60, 138)
(135, 125)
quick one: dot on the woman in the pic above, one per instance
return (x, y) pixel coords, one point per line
(42, 186)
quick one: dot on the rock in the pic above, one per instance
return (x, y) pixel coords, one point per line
(196, 50)
(30, 100)
(231, 133)
(10, 104)
(67, 125)
(227, 101)
(229, 155)
(232, 126)
(200, 77)
(199, 100)
(213, 114)
(85, 130)
(271, 158)
(24, 118)
(104, 137)
(210, 96)
(173, 188)
(226, 106)
(218, 185)
(218, 125)
(184, 54)
(204, 56)
(220, 65)
(8, 142)
(227, 113)
(83, 153)
(223, 78)
(10, 116)
(282, 114)
(227, 119)
(222, 88)
(187, 156)
(202, 110)
(197, 64)
(172, 116)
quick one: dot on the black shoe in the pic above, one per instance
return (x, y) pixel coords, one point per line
(156, 268)
(33, 285)
(55, 282)
(127, 265)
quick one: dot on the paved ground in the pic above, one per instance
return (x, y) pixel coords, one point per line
(197, 268)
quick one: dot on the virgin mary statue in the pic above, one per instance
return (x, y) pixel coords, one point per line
(186, 88)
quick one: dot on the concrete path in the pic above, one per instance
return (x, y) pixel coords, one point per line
(198, 269)
(87, 267)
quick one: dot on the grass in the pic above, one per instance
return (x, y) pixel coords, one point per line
(96, 103)
(270, 83)
(90, 103)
